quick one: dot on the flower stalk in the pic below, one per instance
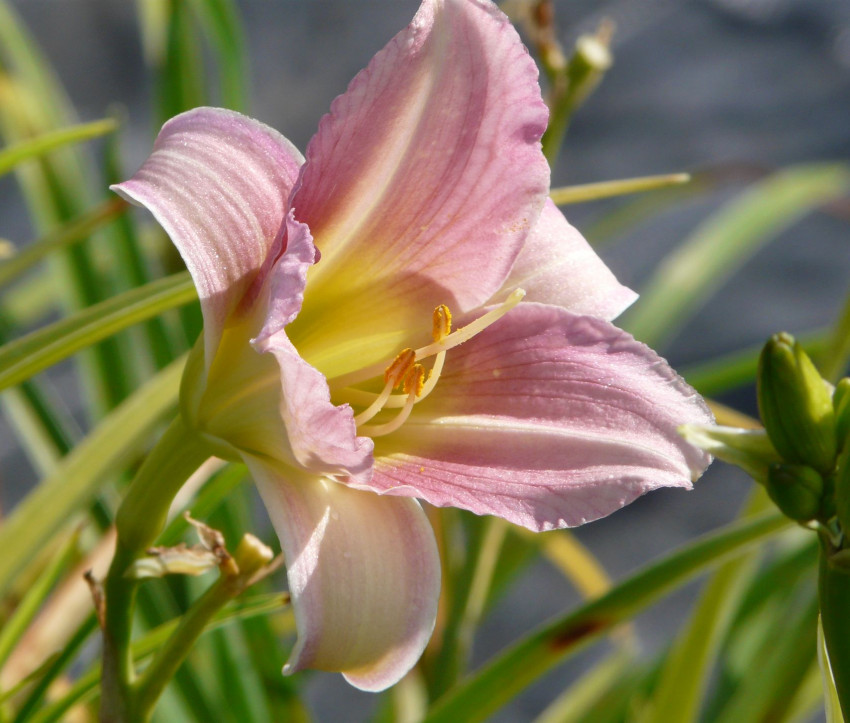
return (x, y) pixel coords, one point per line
(251, 562)
(140, 519)
(584, 71)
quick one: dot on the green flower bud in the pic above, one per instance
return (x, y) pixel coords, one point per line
(796, 405)
(796, 489)
(841, 405)
(827, 502)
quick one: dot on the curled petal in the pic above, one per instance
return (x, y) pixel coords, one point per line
(557, 266)
(425, 178)
(283, 290)
(548, 420)
(364, 575)
(322, 437)
(218, 183)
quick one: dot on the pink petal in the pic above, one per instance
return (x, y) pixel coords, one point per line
(425, 178)
(274, 404)
(548, 420)
(322, 437)
(364, 575)
(218, 183)
(283, 291)
(557, 266)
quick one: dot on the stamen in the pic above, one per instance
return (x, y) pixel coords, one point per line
(414, 381)
(406, 372)
(442, 322)
(400, 367)
(396, 373)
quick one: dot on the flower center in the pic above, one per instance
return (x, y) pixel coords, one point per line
(407, 373)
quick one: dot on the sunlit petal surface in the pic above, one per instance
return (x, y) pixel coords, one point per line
(548, 420)
(363, 571)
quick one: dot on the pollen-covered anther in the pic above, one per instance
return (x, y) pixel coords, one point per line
(414, 380)
(402, 372)
(442, 322)
(400, 367)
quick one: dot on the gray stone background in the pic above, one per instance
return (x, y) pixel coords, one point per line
(696, 84)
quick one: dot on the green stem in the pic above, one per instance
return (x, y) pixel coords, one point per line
(834, 600)
(140, 519)
(571, 88)
(171, 655)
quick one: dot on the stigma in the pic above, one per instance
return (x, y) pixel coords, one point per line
(406, 373)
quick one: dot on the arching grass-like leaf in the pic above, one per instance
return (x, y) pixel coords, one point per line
(686, 671)
(720, 245)
(485, 691)
(610, 189)
(87, 685)
(119, 437)
(72, 232)
(35, 352)
(42, 144)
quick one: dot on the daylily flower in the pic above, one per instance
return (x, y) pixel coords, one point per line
(342, 380)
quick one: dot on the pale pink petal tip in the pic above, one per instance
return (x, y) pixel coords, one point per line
(557, 266)
(364, 575)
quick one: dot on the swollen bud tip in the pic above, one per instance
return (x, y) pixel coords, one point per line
(795, 404)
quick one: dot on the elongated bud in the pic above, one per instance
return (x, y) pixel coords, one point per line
(841, 405)
(796, 489)
(749, 449)
(796, 405)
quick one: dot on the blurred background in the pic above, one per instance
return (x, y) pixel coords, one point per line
(729, 89)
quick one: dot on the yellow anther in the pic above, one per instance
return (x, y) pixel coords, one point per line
(397, 372)
(442, 322)
(414, 380)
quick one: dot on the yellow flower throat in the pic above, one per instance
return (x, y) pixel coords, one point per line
(407, 373)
